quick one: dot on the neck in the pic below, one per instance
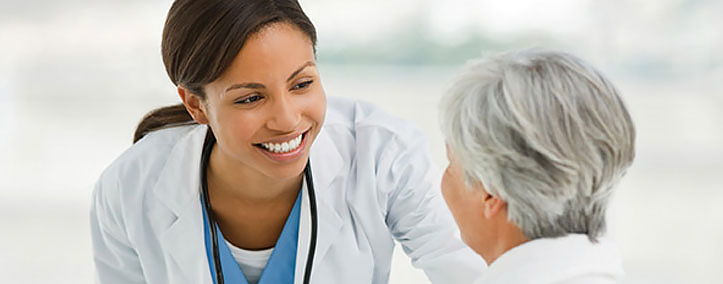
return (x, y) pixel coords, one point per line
(508, 237)
(231, 182)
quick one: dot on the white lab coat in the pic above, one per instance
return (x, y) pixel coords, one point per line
(572, 259)
(374, 184)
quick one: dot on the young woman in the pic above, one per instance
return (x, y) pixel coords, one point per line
(257, 178)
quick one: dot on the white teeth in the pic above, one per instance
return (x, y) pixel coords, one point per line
(283, 147)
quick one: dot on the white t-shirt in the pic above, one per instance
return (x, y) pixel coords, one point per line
(251, 262)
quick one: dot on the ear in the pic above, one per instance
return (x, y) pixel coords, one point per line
(194, 105)
(493, 205)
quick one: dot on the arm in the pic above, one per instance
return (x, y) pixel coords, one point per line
(418, 217)
(115, 259)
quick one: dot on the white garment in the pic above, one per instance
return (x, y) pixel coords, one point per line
(374, 185)
(572, 259)
(251, 262)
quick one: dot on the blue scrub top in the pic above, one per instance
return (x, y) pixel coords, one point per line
(282, 262)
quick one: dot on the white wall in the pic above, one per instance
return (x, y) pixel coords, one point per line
(76, 76)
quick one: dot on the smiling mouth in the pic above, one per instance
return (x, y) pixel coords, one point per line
(283, 147)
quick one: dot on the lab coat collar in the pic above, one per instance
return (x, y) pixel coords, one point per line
(326, 164)
(179, 193)
(178, 189)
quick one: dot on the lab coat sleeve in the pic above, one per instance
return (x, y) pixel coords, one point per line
(419, 218)
(115, 259)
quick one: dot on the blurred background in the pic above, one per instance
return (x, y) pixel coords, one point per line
(77, 75)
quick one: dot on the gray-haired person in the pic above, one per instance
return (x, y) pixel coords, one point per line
(536, 141)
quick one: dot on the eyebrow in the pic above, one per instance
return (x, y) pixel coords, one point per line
(261, 86)
(245, 85)
(301, 68)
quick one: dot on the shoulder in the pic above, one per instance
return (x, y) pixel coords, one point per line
(137, 168)
(380, 148)
(368, 123)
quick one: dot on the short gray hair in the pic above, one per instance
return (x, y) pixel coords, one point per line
(545, 132)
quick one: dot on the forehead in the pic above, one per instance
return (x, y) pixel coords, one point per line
(275, 50)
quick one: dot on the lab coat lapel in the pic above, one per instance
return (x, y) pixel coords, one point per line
(326, 164)
(181, 233)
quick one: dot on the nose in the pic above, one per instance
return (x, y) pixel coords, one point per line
(285, 115)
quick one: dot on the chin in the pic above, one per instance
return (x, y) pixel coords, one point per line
(287, 171)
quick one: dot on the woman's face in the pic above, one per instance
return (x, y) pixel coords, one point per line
(267, 108)
(466, 205)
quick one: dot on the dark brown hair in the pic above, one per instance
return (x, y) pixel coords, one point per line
(202, 37)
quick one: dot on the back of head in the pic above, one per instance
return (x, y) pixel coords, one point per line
(201, 38)
(545, 132)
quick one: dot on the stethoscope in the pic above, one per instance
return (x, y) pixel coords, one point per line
(207, 147)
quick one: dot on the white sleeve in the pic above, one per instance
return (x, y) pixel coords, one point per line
(419, 218)
(115, 259)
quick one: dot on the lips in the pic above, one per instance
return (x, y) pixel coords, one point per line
(284, 149)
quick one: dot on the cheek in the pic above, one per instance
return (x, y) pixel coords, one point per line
(445, 186)
(450, 192)
(235, 127)
(459, 206)
(317, 106)
(314, 111)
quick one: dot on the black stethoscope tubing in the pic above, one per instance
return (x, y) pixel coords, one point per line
(207, 147)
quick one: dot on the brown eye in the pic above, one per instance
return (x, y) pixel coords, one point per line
(249, 99)
(302, 85)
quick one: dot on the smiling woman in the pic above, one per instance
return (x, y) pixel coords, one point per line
(221, 189)
(270, 94)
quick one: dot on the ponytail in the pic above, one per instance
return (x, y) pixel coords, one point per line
(160, 118)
